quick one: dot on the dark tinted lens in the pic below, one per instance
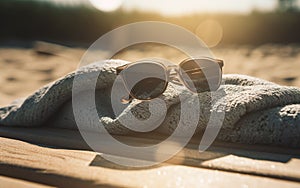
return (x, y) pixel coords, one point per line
(201, 75)
(145, 80)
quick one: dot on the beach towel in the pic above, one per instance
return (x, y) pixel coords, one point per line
(255, 111)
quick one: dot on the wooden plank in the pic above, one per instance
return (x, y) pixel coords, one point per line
(70, 168)
(221, 156)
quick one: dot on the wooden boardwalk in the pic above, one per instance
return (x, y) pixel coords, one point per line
(44, 157)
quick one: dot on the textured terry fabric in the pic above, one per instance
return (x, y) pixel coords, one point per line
(256, 111)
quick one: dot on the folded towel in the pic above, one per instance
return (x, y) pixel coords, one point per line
(256, 111)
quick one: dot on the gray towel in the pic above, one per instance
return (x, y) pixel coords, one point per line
(256, 111)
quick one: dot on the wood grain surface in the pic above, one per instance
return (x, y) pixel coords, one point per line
(55, 157)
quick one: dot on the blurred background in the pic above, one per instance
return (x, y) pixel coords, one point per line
(42, 40)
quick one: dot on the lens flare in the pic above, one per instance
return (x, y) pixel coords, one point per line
(211, 32)
(106, 5)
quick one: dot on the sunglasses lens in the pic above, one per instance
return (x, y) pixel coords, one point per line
(201, 75)
(145, 80)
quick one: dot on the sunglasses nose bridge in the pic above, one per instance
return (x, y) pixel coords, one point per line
(173, 74)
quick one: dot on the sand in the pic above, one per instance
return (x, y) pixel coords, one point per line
(24, 70)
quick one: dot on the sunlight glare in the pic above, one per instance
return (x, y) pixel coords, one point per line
(106, 5)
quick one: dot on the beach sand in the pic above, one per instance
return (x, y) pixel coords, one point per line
(24, 70)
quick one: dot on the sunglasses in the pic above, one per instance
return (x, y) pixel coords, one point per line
(148, 79)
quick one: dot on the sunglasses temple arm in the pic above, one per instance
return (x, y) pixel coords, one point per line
(220, 62)
(126, 100)
(120, 69)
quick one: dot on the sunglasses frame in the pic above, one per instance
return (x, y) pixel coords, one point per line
(168, 76)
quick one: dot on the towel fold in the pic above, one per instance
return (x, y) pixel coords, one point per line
(255, 110)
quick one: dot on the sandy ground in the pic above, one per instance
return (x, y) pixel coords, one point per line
(24, 70)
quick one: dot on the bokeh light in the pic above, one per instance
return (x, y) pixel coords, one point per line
(107, 5)
(211, 32)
